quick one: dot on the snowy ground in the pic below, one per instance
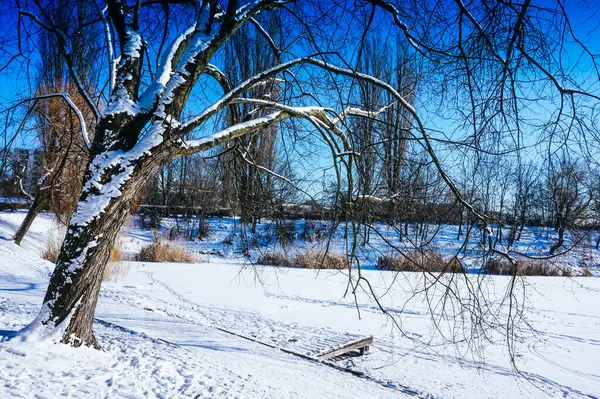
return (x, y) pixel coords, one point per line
(161, 326)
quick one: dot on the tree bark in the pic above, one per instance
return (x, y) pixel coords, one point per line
(74, 287)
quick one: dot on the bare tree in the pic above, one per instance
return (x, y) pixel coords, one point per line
(140, 130)
(569, 198)
(247, 53)
(480, 65)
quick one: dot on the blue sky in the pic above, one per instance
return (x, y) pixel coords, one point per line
(584, 20)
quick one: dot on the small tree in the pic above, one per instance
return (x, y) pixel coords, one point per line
(569, 198)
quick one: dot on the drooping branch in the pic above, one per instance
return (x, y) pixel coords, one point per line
(236, 91)
(69, 101)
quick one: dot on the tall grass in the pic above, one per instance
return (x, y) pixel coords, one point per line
(527, 267)
(305, 260)
(162, 252)
(419, 261)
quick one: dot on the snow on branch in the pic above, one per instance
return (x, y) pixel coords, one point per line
(267, 37)
(219, 76)
(354, 111)
(112, 62)
(236, 91)
(315, 114)
(165, 69)
(202, 45)
(23, 191)
(237, 130)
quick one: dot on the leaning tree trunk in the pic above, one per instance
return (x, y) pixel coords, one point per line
(75, 284)
(72, 295)
(32, 213)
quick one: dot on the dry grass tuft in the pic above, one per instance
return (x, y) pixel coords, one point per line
(52, 250)
(321, 260)
(419, 261)
(274, 258)
(526, 267)
(115, 269)
(160, 252)
(116, 255)
(306, 260)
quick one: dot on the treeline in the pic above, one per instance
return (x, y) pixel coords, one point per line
(381, 172)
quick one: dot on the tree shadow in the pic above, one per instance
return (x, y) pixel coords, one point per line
(213, 346)
(26, 287)
(6, 335)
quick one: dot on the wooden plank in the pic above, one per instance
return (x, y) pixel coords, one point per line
(361, 344)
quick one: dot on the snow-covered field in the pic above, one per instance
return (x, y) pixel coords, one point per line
(163, 330)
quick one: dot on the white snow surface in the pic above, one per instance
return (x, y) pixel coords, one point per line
(161, 328)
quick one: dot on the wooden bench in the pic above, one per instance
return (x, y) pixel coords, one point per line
(362, 345)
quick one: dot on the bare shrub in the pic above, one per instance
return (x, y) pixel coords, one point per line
(286, 232)
(52, 250)
(306, 260)
(161, 252)
(524, 267)
(419, 261)
(274, 258)
(203, 229)
(499, 267)
(313, 231)
(321, 260)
